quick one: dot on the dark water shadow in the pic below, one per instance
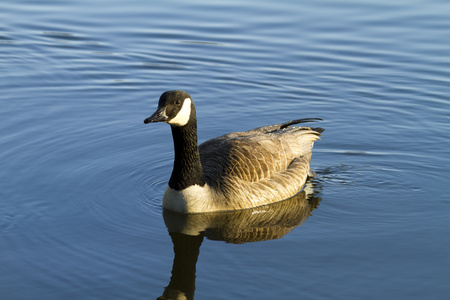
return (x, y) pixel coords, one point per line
(251, 225)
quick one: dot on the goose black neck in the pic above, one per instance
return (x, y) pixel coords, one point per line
(187, 168)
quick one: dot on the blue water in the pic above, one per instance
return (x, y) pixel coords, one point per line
(81, 177)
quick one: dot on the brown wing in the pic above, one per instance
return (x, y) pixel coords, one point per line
(259, 164)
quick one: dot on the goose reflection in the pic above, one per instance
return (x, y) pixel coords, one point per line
(251, 225)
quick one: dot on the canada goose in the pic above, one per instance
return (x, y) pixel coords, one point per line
(234, 171)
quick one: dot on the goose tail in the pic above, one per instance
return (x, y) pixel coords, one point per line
(275, 127)
(298, 121)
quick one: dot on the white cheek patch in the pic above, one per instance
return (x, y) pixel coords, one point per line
(183, 115)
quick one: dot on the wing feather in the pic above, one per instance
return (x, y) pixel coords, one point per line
(266, 162)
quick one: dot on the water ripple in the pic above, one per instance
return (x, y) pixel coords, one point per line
(81, 177)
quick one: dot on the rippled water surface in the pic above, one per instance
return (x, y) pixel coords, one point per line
(81, 177)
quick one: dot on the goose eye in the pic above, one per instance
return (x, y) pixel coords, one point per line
(178, 102)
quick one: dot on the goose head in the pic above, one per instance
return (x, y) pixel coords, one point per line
(175, 108)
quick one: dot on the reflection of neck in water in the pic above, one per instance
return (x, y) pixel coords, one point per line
(250, 225)
(182, 282)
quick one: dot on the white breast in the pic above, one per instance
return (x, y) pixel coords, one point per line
(190, 200)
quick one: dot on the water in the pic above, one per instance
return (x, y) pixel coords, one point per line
(82, 177)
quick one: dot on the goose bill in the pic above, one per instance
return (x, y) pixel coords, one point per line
(158, 116)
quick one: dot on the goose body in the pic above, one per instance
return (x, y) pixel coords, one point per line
(234, 171)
